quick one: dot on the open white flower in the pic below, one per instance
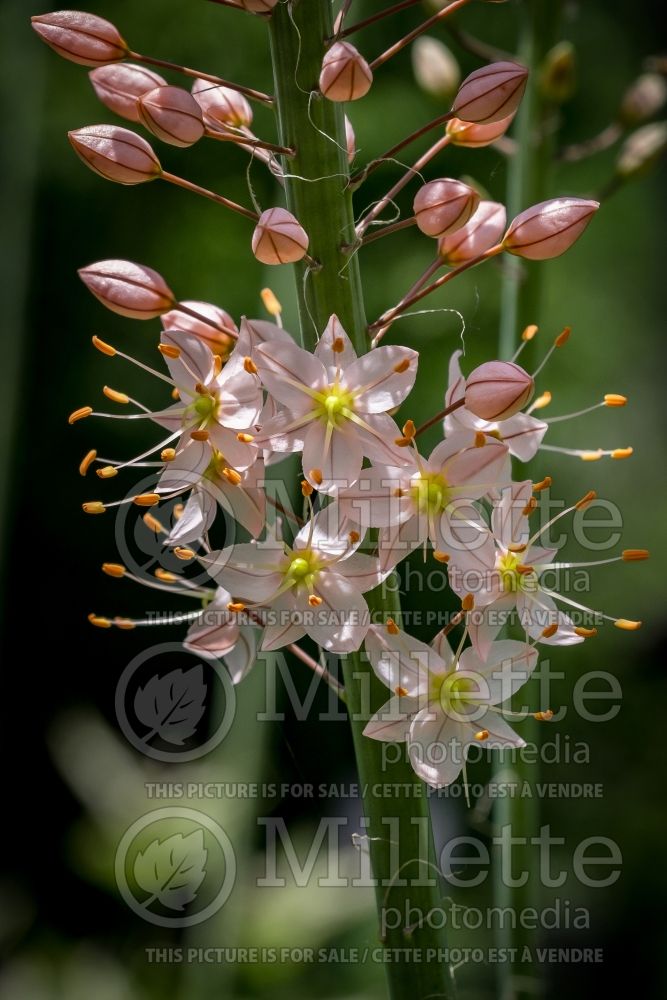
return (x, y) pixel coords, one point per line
(442, 702)
(335, 404)
(312, 587)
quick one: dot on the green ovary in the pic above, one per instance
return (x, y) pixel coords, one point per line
(334, 405)
(454, 693)
(203, 407)
(430, 492)
(301, 568)
(511, 578)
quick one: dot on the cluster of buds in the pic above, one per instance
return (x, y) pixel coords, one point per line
(242, 397)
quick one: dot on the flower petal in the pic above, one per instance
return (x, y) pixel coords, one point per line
(377, 434)
(437, 746)
(385, 376)
(185, 471)
(508, 521)
(340, 623)
(401, 661)
(537, 611)
(242, 657)
(392, 722)
(523, 435)
(328, 533)
(240, 401)
(344, 354)
(283, 624)
(508, 666)
(335, 452)
(363, 570)
(197, 517)
(195, 362)
(373, 502)
(472, 471)
(248, 571)
(290, 374)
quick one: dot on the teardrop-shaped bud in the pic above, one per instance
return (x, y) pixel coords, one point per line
(497, 390)
(279, 238)
(641, 150)
(120, 84)
(128, 289)
(484, 231)
(549, 228)
(491, 93)
(350, 140)
(173, 115)
(473, 135)
(643, 99)
(211, 332)
(558, 76)
(443, 206)
(80, 37)
(116, 153)
(436, 70)
(345, 76)
(221, 106)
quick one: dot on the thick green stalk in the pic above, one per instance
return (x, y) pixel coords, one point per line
(527, 184)
(399, 832)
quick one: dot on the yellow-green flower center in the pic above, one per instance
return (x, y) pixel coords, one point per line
(430, 492)
(509, 575)
(334, 404)
(454, 693)
(301, 568)
(204, 407)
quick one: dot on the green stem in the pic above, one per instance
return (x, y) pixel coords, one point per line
(527, 184)
(399, 833)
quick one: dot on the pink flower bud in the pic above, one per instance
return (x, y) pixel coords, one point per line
(173, 115)
(128, 289)
(350, 140)
(345, 76)
(257, 6)
(119, 85)
(221, 106)
(497, 390)
(443, 206)
(116, 153)
(491, 93)
(82, 38)
(472, 135)
(484, 231)
(278, 238)
(549, 228)
(211, 333)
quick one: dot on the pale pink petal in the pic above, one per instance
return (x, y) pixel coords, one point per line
(237, 454)
(345, 353)
(215, 632)
(240, 401)
(246, 502)
(440, 643)
(249, 572)
(537, 611)
(485, 624)
(340, 623)
(260, 331)
(437, 747)
(335, 452)
(185, 471)
(372, 501)
(197, 517)
(402, 662)
(283, 433)
(460, 418)
(195, 363)
(242, 657)
(523, 435)
(500, 732)
(508, 521)
(383, 386)
(172, 418)
(506, 668)
(328, 533)
(392, 722)
(284, 623)
(398, 541)
(377, 434)
(472, 567)
(363, 570)
(473, 471)
(290, 373)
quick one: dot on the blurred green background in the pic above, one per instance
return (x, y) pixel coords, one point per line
(71, 782)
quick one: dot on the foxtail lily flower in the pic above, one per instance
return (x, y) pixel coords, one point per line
(444, 701)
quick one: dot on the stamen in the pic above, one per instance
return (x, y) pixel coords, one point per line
(87, 461)
(153, 524)
(482, 735)
(516, 547)
(114, 396)
(104, 348)
(338, 345)
(403, 442)
(441, 557)
(169, 351)
(529, 332)
(622, 452)
(540, 402)
(354, 537)
(80, 414)
(98, 621)
(314, 600)
(316, 476)
(545, 716)
(614, 399)
(270, 302)
(634, 555)
(392, 627)
(168, 454)
(108, 472)
(237, 606)
(402, 366)
(306, 488)
(560, 340)
(178, 511)
(585, 633)
(245, 438)
(124, 623)
(165, 576)
(530, 507)
(146, 499)
(400, 691)
(184, 554)
(113, 569)
(626, 625)
(250, 366)
(409, 429)
(550, 630)
(200, 435)
(468, 602)
(232, 476)
(480, 439)
(93, 507)
(586, 500)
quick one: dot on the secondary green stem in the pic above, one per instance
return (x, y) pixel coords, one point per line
(398, 833)
(528, 174)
